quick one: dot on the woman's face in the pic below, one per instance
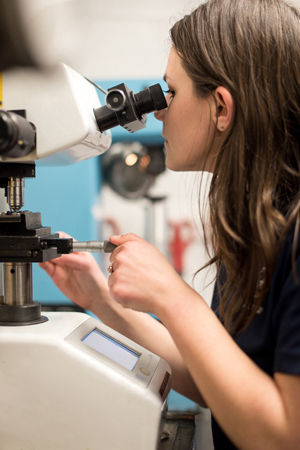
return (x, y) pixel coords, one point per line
(187, 122)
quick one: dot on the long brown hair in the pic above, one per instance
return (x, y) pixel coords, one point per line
(252, 47)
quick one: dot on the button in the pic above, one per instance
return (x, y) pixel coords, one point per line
(145, 371)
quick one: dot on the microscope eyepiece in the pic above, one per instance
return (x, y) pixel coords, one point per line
(150, 99)
(128, 109)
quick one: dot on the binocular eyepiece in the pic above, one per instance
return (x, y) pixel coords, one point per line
(127, 109)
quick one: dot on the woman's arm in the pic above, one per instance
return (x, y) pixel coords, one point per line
(79, 277)
(254, 410)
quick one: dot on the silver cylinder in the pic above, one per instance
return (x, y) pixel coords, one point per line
(15, 193)
(93, 246)
(88, 246)
(17, 283)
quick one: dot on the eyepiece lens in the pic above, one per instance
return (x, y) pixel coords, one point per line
(150, 99)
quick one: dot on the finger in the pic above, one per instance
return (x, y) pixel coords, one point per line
(48, 267)
(64, 235)
(113, 255)
(118, 240)
(79, 261)
(112, 292)
(110, 282)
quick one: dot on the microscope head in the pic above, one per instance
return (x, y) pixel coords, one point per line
(48, 116)
(55, 116)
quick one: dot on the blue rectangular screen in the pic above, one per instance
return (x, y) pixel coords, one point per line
(114, 350)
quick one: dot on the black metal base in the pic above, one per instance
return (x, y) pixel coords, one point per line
(21, 315)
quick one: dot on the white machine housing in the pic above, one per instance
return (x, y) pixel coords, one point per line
(59, 393)
(59, 102)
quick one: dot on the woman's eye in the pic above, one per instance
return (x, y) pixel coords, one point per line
(169, 95)
(169, 91)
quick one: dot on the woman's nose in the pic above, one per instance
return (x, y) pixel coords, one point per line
(160, 115)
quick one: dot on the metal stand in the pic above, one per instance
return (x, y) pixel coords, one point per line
(23, 241)
(19, 236)
(17, 307)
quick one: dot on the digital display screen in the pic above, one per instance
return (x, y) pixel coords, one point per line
(114, 350)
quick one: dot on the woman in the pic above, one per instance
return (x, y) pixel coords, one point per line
(234, 110)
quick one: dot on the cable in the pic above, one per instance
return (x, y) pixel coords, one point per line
(96, 86)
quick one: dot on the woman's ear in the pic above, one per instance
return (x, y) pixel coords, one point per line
(225, 108)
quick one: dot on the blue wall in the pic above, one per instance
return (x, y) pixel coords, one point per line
(64, 195)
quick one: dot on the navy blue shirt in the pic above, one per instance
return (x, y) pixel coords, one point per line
(272, 340)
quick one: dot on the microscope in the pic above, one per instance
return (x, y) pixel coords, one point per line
(57, 119)
(66, 379)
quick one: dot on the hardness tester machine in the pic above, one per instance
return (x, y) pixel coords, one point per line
(67, 381)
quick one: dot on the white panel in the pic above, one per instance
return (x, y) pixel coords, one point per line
(122, 39)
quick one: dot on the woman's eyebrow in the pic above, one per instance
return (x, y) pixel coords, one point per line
(167, 79)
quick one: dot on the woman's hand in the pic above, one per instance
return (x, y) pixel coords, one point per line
(141, 278)
(78, 276)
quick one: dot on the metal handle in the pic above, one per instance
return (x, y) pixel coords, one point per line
(93, 246)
